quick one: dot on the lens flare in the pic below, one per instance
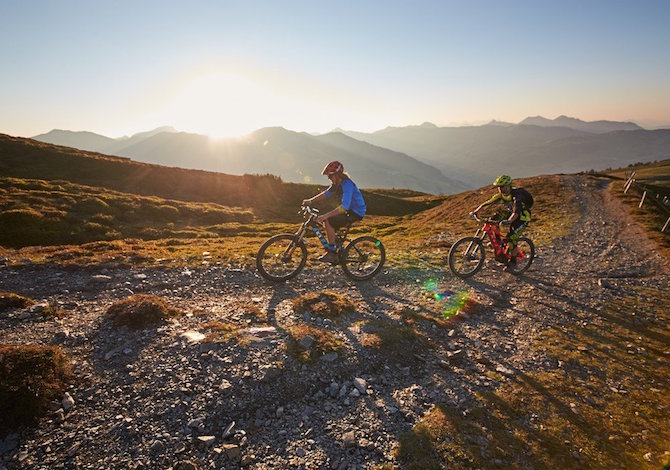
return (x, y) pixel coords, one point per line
(451, 302)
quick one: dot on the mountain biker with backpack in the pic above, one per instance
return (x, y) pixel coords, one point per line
(518, 202)
(351, 209)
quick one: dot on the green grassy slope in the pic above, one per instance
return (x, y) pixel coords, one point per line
(37, 212)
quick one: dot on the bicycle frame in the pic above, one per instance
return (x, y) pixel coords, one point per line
(311, 215)
(497, 239)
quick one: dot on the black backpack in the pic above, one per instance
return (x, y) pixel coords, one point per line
(524, 196)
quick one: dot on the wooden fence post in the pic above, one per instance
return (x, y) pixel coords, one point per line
(628, 184)
(630, 178)
(644, 195)
(666, 225)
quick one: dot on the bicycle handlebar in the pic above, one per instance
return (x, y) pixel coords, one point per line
(488, 220)
(309, 210)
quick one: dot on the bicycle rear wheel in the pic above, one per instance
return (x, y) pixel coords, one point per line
(363, 258)
(281, 257)
(526, 251)
(466, 257)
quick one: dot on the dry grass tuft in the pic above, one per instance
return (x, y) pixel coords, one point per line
(219, 331)
(327, 304)
(323, 342)
(435, 440)
(30, 377)
(10, 300)
(252, 310)
(140, 311)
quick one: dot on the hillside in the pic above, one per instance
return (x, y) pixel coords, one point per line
(266, 195)
(38, 212)
(295, 157)
(477, 154)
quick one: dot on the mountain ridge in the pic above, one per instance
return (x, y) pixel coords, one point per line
(421, 157)
(597, 127)
(295, 157)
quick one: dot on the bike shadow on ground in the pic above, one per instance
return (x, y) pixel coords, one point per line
(281, 292)
(378, 296)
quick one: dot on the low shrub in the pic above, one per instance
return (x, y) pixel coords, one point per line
(30, 377)
(328, 304)
(322, 342)
(10, 300)
(140, 311)
(91, 205)
(20, 217)
(219, 331)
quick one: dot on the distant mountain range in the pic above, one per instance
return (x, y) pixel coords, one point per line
(424, 157)
(476, 154)
(595, 127)
(295, 157)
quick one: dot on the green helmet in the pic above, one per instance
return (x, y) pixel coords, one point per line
(502, 180)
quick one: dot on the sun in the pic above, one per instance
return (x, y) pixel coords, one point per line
(223, 104)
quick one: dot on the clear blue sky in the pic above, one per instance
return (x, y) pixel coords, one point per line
(229, 67)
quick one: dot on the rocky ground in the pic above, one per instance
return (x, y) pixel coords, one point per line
(163, 397)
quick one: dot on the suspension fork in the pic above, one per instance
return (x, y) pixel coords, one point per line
(477, 233)
(291, 246)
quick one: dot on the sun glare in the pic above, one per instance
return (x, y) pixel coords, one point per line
(222, 104)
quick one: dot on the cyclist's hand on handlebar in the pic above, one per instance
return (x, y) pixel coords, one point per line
(306, 202)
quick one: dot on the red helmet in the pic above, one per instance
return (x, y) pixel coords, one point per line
(332, 168)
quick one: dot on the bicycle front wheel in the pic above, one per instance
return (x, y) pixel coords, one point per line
(466, 257)
(281, 257)
(363, 258)
(525, 257)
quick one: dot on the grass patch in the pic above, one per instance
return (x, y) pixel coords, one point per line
(434, 443)
(140, 311)
(325, 304)
(30, 377)
(219, 331)
(322, 342)
(10, 300)
(251, 310)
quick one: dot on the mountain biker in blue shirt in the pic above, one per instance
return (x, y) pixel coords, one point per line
(351, 209)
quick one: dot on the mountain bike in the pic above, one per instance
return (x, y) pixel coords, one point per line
(466, 256)
(283, 256)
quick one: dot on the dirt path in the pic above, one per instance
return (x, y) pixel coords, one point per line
(153, 399)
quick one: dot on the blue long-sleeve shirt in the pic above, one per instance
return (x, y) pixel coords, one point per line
(352, 199)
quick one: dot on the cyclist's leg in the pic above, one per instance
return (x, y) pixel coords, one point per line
(515, 230)
(342, 220)
(333, 224)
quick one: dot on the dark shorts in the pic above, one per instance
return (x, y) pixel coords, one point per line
(340, 220)
(518, 226)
